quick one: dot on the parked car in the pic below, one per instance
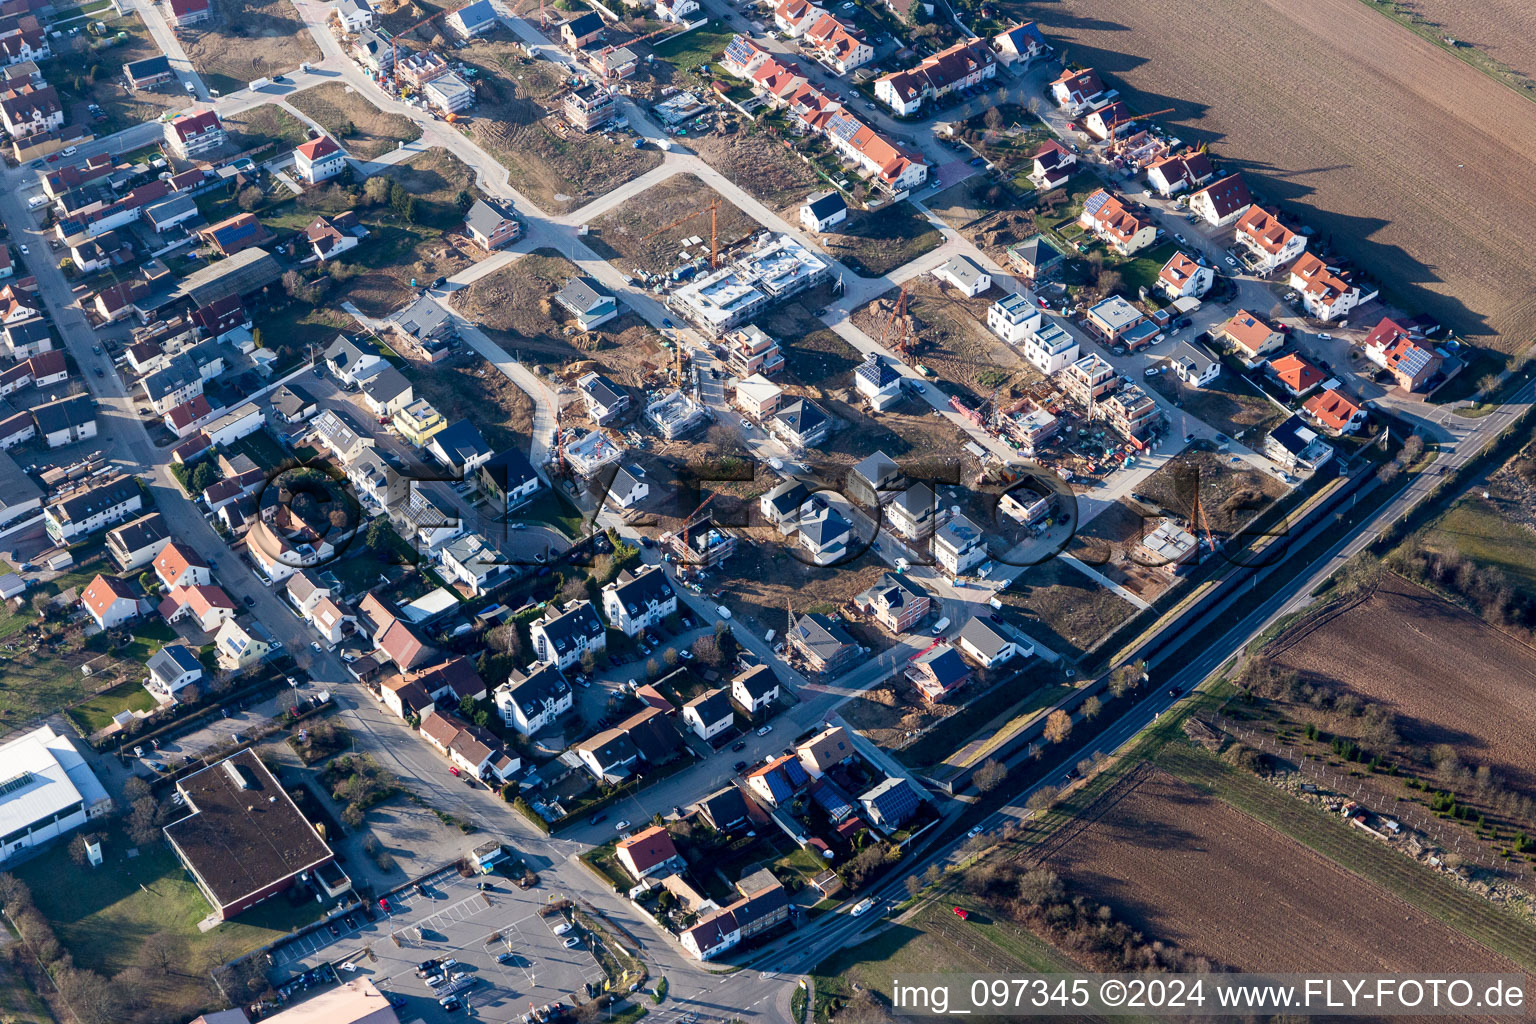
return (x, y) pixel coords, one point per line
(572, 942)
(620, 826)
(973, 833)
(739, 745)
(739, 767)
(765, 730)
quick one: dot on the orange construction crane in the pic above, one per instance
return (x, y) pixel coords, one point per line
(394, 45)
(1204, 523)
(925, 650)
(713, 209)
(1115, 144)
(898, 314)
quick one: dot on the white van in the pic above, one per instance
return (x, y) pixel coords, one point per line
(940, 626)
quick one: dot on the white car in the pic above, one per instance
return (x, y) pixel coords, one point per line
(24, 249)
(1230, 261)
(1324, 337)
(620, 826)
(863, 907)
(314, 645)
(765, 730)
(973, 833)
(746, 424)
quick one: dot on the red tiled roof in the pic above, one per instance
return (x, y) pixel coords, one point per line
(1178, 270)
(1265, 229)
(1295, 372)
(314, 149)
(1227, 195)
(174, 560)
(1333, 409)
(649, 847)
(102, 592)
(189, 412)
(1247, 330)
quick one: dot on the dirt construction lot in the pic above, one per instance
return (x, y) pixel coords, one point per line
(339, 107)
(1251, 78)
(246, 40)
(1189, 869)
(1451, 677)
(620, 234)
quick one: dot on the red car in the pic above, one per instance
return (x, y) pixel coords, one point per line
(384, 904)
(454, 770)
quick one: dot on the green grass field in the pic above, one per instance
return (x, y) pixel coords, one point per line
(97, 713)
(700, 46)
(1474, 527)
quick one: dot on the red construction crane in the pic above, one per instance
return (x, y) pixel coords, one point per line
(925, 650)
(1116, 144)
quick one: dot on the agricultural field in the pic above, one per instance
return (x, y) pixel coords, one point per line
(763, 165)
(1229, 403)
(1450, 677)
(872, 243)
(1440, 236)
(515, 306)
(1494, 35)
(363, 130)
(246, 40)
(516, 119)
(1494, 523)
(1187, 868)
(89, 70)
(620, 234)
(953, 340)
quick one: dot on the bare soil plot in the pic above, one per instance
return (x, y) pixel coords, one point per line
(1441, 234)
(556, 166)
(89, 70)
(890, 713)
(1063, 608)
(516, 307)
(1230, 493)
(953, 339)
(365, 131)
(248, 39)
(471, 388)
(763, 165)
(873, 243)
(1494, 35)
(1451, 677)
(1107, 542)
(1229, 403)
(814, 356)
(620, 234)
(765, 578)
(1187, 868)
(268, 124)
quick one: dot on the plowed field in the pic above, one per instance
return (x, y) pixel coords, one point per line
(1419, 167)
(1188, 868)
(1453, 678)
(1503, 29)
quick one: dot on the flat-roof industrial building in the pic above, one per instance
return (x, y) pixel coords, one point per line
(46, 790)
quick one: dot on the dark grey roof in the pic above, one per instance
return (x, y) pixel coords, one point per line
(918, 499)
(894, 589)
(345, 351)
(877, 468)
(825, 204)
(1294, 435)
(758, 681)
(603, 391)
(547, 685)
(477, 14)
(423, 318)
(1194, 359)
(986, 636)
(788, 496)
(585, 23)
(168, 209)
(178, 373)
(139, 533)
(172, 660)
(825, 526)
(509, 470)
(711, 705)
(459, 442)
(579, 293)
(802, 416)
(894, 799)
(946, 665)
(580, 620)
(97, 499)
(290, 400)
(611, 748)
(148, 67)
(960, 532)
(627, 479)
(386, 385)
(639, 591)
(486, 216)
(27, 332)
(427, 511)
(725, 808)
(818, 633)
(72, 411)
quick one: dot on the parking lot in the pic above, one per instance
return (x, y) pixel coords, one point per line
(453, 919)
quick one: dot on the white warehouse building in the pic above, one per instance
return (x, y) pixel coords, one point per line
(46, 790)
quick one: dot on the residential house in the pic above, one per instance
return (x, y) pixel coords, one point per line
(31, 110)
(1050, 348)
(1076, 91)
(709, 714)
(823, 210)
(171, 669)
(387, 392)
(177, 565)
(148, 73)
(1171, 175)
(582, 300)
(189, 12)
(913, 511)
(1182, 277)
(590, 106)
(194, 136)
(354, 15)
(398, 644)
(966, 63)
(750, 350)
(449, 94)
(209, 606)
(1194, 365)
(330, 238)
(319, 159)
(509, 479)
(873, 478)
(610, 756)
(634, 603)
(1037, 258)
(91, 508)
(938, 672)
(754, 914)
(581, 30)
(963, 273)
(561, 637)
(280, 556)
(1013, 317)
(132, 545)
(785, 505)
(418, 68)
(1412, 362)
(1270, 244)
(800, 423)
(1124, 228)
(1130, 411)
(1252, 339)
(877, 380)
(110, 602)
(292, 404)
(530, 703)
(648, 853)
(1088, 380)
(1054, 164)
(1296, 447)
(890, 804)
(1022, 44)
(418, 422)
(1334, 411)
(1110, 119)
(474, 19)
(837, 44)
(332, 621)
(823, 645)
(1325, 292)
(991, 643)
(795, 17)
(725, 810)
(825, 532)
(628, 487)
(65, 420)
(1221, 202)
(235, 649)
(1295, 374)
(304, 590)
(778, 781)
(428, 519)
(352, 361)
(479, 564)
(492, 224)
(825, 751)
(959, 545)
(896, 601)
(337, 436)
(755, 690)
(605, 400)
(189, 417)
(676, 11)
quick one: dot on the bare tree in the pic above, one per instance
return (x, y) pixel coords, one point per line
(1058, 726)
(1091, 708)
(990, 775)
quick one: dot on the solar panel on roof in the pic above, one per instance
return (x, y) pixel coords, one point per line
(14, 783)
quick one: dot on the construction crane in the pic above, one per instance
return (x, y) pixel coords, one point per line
(1204, 524)
(694, 515)
(394, 44)
(713, 209)
(1116, 144)
(937, 641)
(898, 314)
